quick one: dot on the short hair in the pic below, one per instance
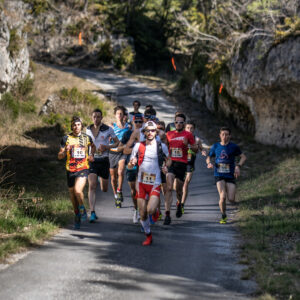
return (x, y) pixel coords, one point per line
(190, 122)
(150, 111)
(119, 107)
(180, 115)
(76, 119)
(97, 110)
(162, 124)
(136, 101)
(225, 128)
(149, 106)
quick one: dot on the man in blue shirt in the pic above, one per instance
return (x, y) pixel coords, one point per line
(225, 169)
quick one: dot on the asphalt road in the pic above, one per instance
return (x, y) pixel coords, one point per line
(193, 258)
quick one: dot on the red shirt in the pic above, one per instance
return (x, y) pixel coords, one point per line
(177, 149)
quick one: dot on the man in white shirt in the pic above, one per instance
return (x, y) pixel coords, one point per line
(150, 156)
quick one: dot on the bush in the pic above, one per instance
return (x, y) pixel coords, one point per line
(11, 104)
(24, 87)
(124, 58)
(105, 52)
(38, 6)
(14, 45)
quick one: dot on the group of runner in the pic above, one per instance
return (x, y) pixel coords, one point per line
(155, 159)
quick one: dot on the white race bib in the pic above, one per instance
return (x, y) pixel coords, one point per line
(148, 178)
(78, 152)
(223, 168)
(176, 152)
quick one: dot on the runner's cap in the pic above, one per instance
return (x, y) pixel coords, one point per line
(149, 124)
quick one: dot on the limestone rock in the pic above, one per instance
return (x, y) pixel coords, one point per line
(49, 105)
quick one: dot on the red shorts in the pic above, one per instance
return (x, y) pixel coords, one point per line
(147, 189)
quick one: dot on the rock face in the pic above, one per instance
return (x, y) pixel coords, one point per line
(14, 56)
(261, 92)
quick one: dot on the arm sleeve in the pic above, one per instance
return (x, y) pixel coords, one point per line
(135, 150)
(191, 139)
(212, 151)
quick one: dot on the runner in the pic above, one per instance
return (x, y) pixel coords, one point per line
(77, 146)
(117, 158)
(178, 140)
(149, 156)
(225, 170)
(171, 126)
(190, 127)
(101, 135)
(131, 174)
(136, 105)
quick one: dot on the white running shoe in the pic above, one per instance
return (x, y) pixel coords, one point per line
(136, 216)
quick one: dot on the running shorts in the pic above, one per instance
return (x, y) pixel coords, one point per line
(131, 174)
(71, 176)
(147, 189)
(178, 168)
(220, 178)
(100, 167)
(114, 158)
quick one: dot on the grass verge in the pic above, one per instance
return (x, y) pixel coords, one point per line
(34, 200)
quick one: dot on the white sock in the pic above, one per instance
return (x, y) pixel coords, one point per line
(116, 196)
(146, 225)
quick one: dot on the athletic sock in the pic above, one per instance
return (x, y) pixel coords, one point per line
(116, 196)
(146, 225)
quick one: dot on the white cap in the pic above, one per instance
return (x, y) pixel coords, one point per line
(149, 124)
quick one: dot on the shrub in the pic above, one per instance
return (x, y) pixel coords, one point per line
(11, 104)
(24, 87)
(124, 58)
(14, 45)
(105, 52)
(38, 6)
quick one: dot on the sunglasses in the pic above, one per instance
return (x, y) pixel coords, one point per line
(179, 122)
(138, 122)
(150, 130)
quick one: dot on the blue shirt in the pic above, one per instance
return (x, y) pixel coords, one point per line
(225, 158)
(119, 132)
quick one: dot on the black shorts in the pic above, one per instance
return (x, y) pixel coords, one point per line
(114, 158)
(131, 174)
(100, 167)
(220, 178)
(71, 176)
(178, 169)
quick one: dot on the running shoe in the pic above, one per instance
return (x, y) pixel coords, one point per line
(77, 221)
(83, 213)
(136, 216)
(155, 216)
(120, 196)
(148, 240)
(178, 211)
(93, 217)
(118, 203)
(167, 220)
(223, 219)
(182, 208)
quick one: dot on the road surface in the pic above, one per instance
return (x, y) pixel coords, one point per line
(193, 258)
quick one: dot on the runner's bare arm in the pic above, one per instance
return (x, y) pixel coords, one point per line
(63, 151)
(208, 162)
(133, 139)
(103, 148)
(237, 170)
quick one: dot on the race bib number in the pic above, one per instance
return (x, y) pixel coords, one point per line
(223, 168)
(148, 178)
(78, 152)
(176, 152)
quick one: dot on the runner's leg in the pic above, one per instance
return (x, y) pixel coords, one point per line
(103, 184)
(113, 179)
(121, 169)
(73, 200)
(231, 188)
(221, 186)
(78, 189)
(185, 188)
(93, 178)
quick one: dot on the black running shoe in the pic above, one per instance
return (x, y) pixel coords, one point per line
(167, 220)
(179, 211)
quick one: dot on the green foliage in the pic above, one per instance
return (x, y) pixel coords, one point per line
(124, 58)
(75, 29)
(15, 42)
(20, 99)
(105, 52)
(38, 6)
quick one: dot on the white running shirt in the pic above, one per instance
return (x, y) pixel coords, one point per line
(149, 165)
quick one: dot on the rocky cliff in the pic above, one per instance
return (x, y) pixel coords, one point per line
(14, 56)
(261, 91)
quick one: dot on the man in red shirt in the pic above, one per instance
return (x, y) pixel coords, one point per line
(178, 141)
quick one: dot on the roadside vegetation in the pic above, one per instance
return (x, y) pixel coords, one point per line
(34, 201)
